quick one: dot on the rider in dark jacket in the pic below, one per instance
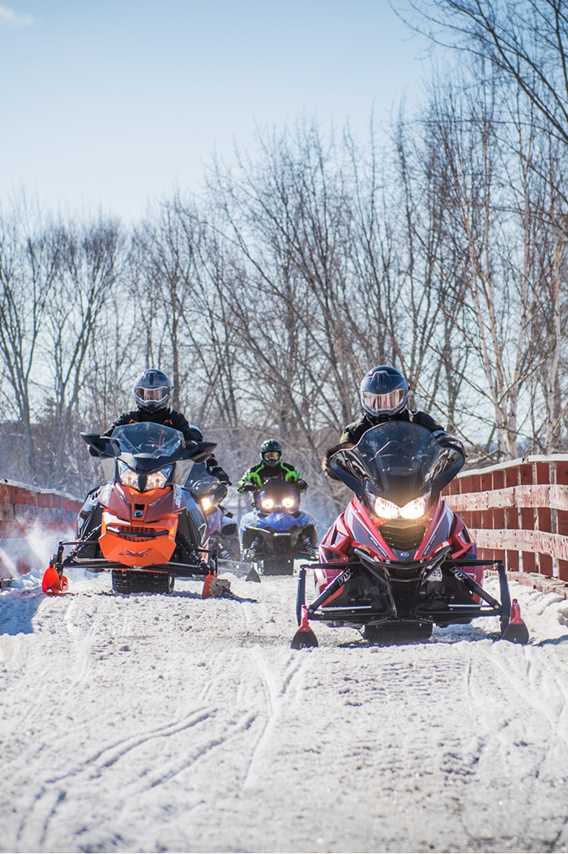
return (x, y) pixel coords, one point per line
(152, 393)
(384, 396)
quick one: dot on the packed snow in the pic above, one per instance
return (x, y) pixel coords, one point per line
(172, 723)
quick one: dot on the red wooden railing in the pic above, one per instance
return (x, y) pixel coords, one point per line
(518, 512)
(30, 517)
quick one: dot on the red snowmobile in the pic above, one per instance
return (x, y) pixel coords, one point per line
(398, 561)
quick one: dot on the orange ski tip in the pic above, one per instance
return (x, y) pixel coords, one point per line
(215, 587)
(52, 583)
(208, 586)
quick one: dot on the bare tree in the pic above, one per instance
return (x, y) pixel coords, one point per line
(30, 256)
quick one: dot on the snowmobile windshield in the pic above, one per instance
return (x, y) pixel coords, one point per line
(400, 461)
(152, 440)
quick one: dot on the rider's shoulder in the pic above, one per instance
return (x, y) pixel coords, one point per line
(361, 421)
(353, 431)
(425, 420)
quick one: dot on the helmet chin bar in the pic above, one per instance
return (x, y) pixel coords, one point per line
(152, 405)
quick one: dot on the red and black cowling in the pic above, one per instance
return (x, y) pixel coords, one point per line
(398, 553)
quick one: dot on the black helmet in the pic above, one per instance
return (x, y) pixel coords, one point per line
(153, 390)
(271, 452)
(384, 391)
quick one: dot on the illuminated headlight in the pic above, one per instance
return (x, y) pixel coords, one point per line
(206, 503)
(128, 477)
(386, 509)
(156, 480)
(414, 509)
(267, 503)
(289, 503)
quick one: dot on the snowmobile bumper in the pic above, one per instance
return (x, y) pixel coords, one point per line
(54, 581)
(408, 577)
(179, 570)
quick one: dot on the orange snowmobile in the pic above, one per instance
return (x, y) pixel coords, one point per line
(142, 525)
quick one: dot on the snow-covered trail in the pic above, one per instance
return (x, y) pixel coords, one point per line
(157, 723)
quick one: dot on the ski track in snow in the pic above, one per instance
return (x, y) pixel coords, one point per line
(159, 723)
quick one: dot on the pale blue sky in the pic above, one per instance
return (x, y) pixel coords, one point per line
(109, 103)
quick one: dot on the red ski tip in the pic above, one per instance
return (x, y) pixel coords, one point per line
(52, 583)
(207, 591)
(304, 637)
(515, 613)
(305, 623)
(516, 631)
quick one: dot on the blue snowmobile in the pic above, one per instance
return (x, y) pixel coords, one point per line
(276, 531)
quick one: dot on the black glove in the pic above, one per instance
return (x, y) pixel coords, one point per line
(301, 484)
(446, 440)
(221, 475)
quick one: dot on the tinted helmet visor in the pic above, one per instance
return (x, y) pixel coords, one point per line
(389, 402)
(152, 395)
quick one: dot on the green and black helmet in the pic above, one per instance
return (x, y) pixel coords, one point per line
(271, 452)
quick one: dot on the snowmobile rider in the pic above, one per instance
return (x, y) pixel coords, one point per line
(384, 394)
(271, 466)
(152, 393)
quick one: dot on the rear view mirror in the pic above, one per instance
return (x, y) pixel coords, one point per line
(104, 445)
(448, 464)
(337, 465)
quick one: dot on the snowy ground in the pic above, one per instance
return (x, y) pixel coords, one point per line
(158, 723)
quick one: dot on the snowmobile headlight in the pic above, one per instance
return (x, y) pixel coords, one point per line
(128, 477)
(414, 509)
(156, 480)
(267, 503)
(386, 509)
(289, 503)
(206, 503)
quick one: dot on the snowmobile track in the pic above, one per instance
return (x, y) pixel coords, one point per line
(150, 723)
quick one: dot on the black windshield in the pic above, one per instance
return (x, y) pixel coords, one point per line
(279, 489)
(399, 461)
(152, 440)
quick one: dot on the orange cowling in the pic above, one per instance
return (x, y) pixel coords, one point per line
(138, 545)
(135, 537)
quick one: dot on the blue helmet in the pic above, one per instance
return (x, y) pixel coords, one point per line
(153, 390)
(384, 391)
